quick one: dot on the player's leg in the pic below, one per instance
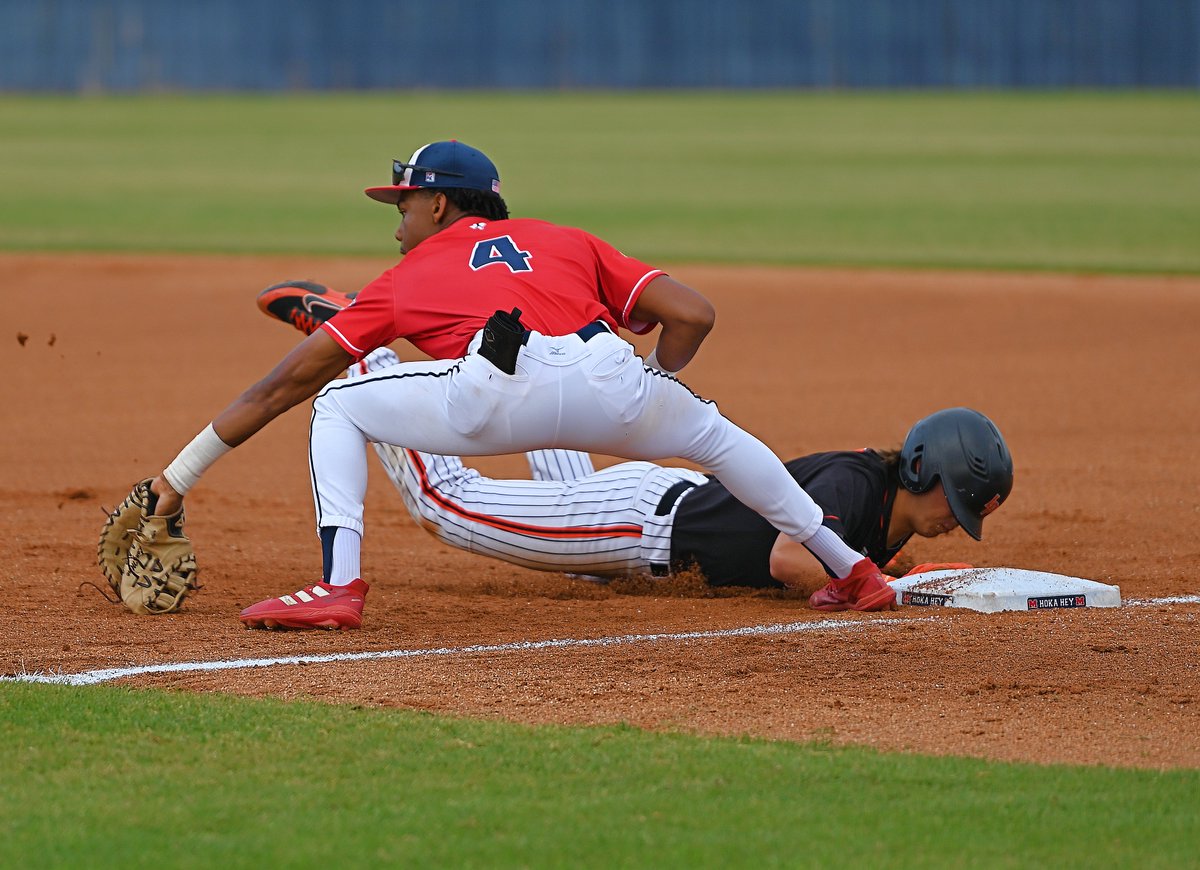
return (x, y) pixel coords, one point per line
(606, 402)
(593, 525)
(559, 464)
(464, 509)
(666, 419)
(548, 464)
(418, 476)
(612, 403)
(338, 468)
(756, 476)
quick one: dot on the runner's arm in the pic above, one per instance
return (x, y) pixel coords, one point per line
(794, 566)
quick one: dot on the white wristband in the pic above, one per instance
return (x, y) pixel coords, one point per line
(653, 362)
(205, 449)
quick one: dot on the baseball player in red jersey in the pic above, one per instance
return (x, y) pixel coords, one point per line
(553, 373)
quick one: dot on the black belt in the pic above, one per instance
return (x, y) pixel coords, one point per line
(671, 497)
(590, 331)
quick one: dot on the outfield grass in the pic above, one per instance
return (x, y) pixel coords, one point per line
(113, 777)
(1073, 181)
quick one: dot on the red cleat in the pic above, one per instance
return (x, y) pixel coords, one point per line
(864, 589)
(867, 588)
(829, 598)
(316, 606)
(303, 304)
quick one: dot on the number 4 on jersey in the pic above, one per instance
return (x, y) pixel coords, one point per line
(500, 250)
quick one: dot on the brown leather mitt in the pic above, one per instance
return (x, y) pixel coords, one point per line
(147, 560)
(117, 533)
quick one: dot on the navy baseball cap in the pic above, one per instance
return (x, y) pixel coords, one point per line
(440, 164)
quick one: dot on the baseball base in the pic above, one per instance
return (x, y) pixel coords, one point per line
(990, 590)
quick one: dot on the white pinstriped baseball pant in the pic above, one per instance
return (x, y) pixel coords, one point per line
(605, 523)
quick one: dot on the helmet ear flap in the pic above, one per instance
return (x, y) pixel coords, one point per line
(911, 467)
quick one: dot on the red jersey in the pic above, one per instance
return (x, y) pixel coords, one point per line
(446, 288)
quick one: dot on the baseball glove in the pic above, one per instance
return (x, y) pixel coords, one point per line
(147, 560)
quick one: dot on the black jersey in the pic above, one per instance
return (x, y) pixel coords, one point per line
(732, 544)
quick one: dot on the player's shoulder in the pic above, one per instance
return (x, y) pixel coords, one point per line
(477, 227)
(543, 226)
(866, 457)
(383, 283)
(866, 464)
(866, 461)
(541, 233)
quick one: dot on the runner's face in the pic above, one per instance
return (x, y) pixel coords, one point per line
(932, 516)
(417, 223)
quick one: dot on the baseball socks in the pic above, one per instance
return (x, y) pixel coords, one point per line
(833, 552)
(340, 548)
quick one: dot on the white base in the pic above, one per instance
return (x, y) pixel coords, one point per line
(994, 589)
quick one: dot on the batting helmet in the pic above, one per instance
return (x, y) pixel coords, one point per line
(966, 452)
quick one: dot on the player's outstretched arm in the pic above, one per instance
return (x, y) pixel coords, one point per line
(304, 371)
(686, 318)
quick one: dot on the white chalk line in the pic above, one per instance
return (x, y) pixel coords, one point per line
(88, 678)
(1170, 599)
(103, 675)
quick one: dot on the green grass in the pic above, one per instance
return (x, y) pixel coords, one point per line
(1074, 181)
(111, 777)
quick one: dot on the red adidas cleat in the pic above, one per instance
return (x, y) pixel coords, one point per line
(316, 606)
(866, 588)
(829, 598)
(303, 304)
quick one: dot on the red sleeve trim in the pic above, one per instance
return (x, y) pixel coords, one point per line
(635, 326)
(345, 343)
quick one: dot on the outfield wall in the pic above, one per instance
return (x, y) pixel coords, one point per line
(271, 45)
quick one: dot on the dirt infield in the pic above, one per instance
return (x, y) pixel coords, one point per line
(115, 362)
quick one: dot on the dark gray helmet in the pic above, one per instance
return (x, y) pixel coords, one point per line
(966, 452)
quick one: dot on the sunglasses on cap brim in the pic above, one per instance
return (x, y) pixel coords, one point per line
(399, 168)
